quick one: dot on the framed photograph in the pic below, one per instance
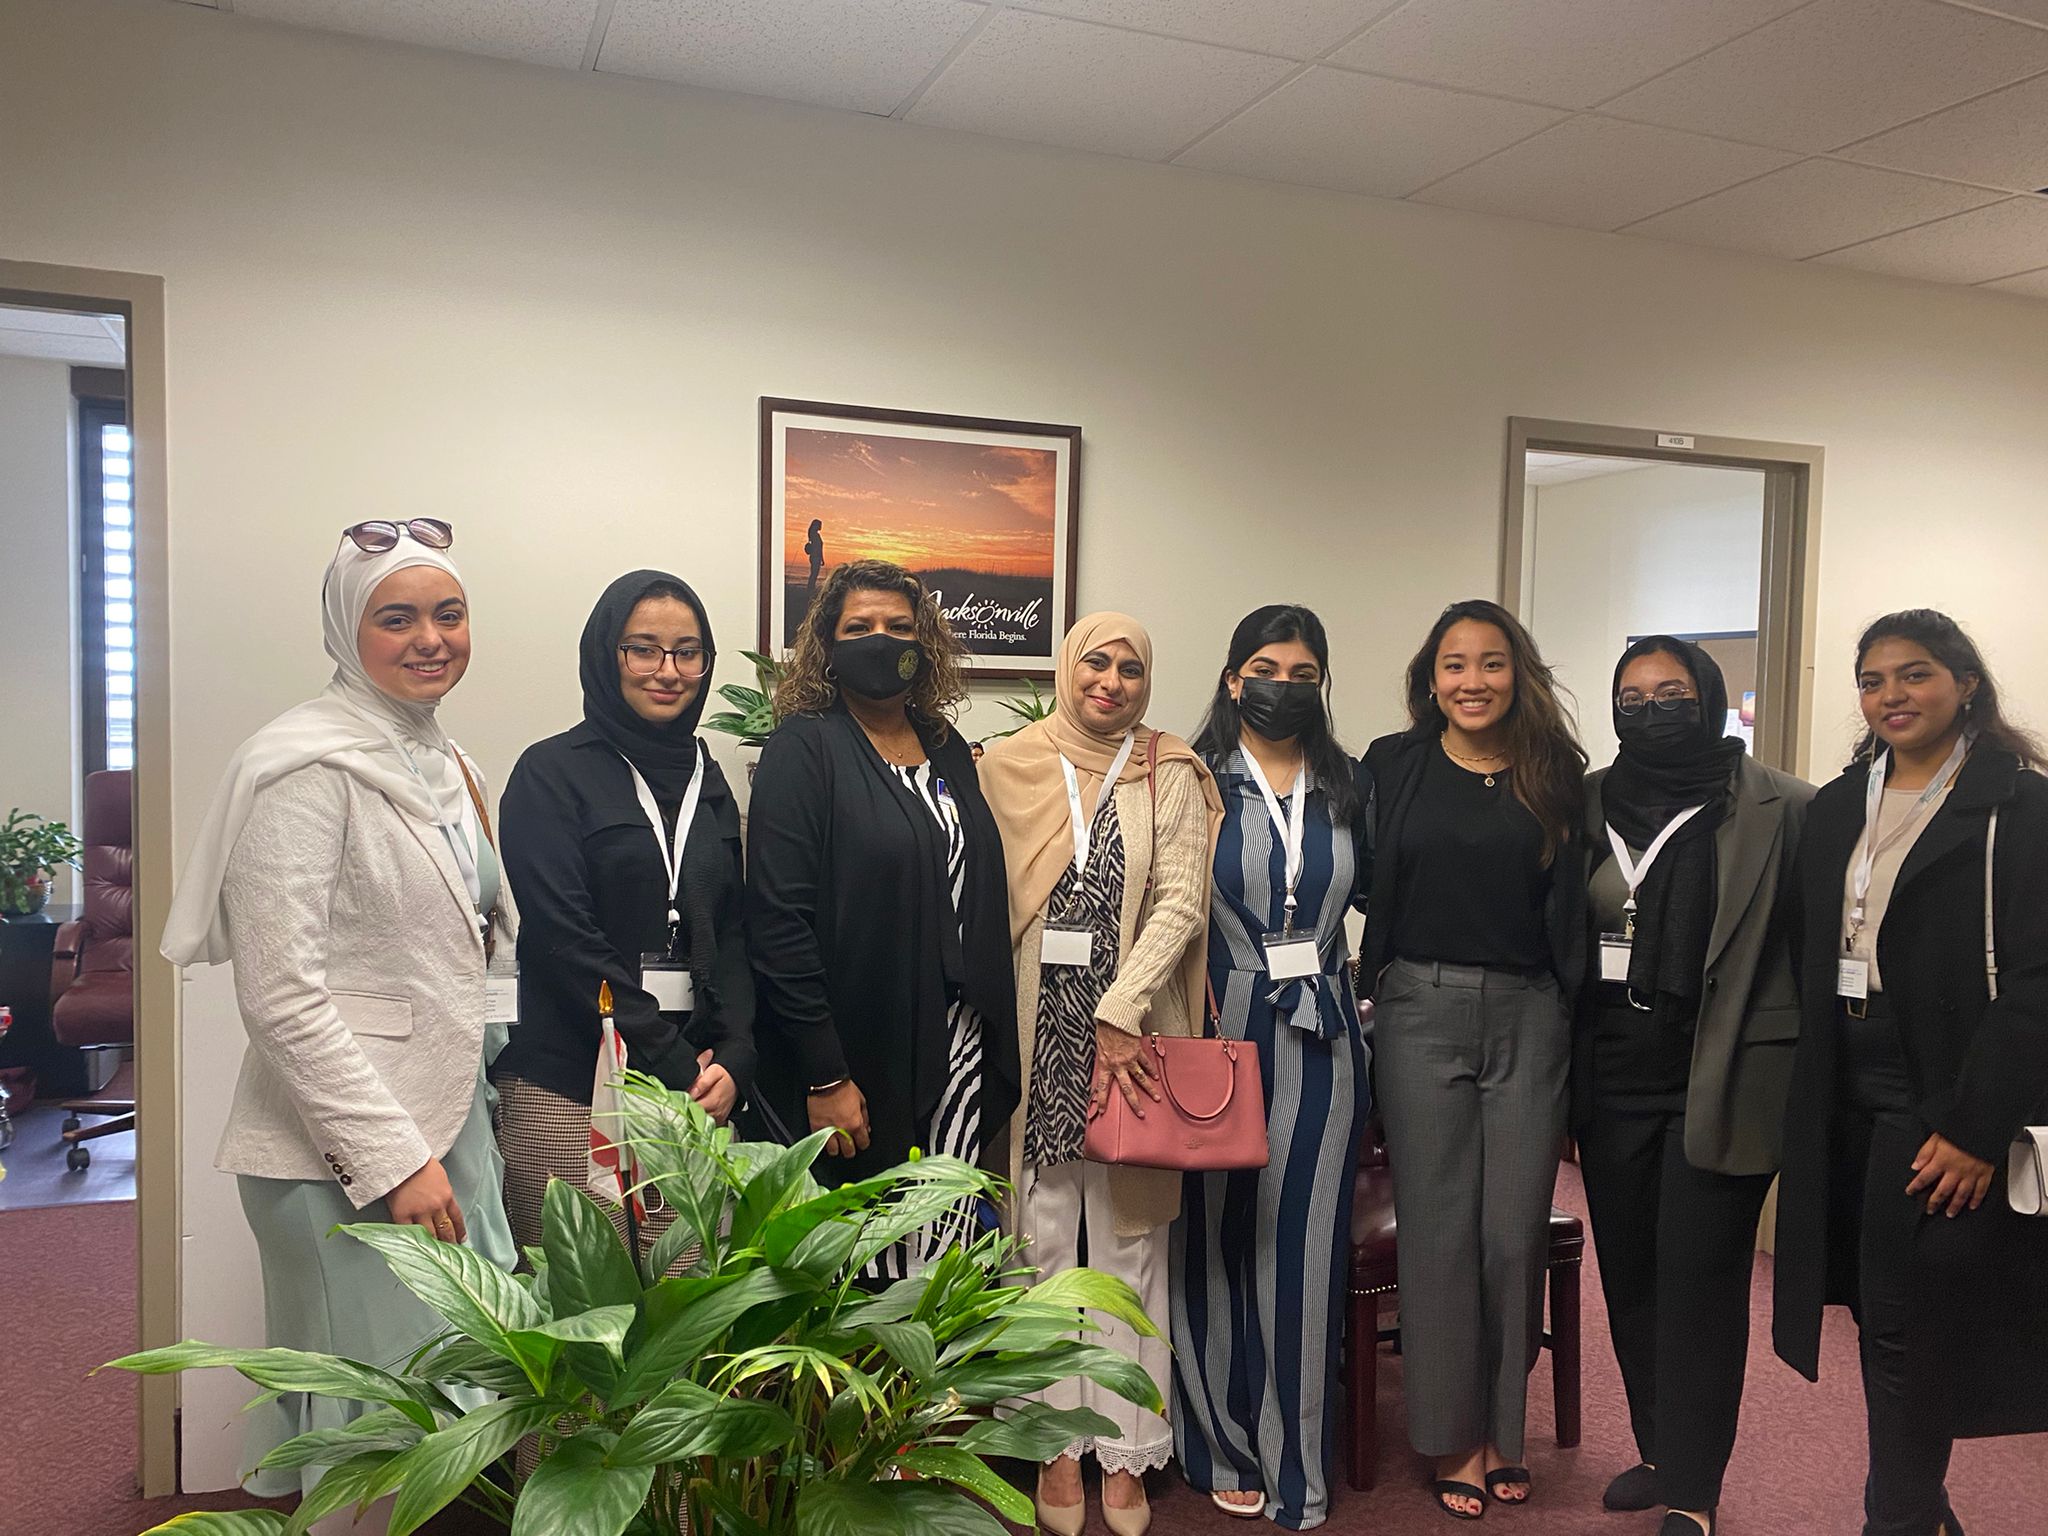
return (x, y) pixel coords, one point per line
(982, 511)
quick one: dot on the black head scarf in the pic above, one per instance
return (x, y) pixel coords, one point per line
(1654, 777)
(664, 754)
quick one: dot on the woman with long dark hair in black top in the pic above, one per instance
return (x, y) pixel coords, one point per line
(877, 907)
(1923, 1052)
(623, 832)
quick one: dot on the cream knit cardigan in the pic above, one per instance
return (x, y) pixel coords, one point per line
(1169, 844)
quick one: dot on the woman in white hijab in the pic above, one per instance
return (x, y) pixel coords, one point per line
(347, 872)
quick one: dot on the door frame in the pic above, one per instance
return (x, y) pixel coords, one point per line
(1791, 552)
(139, 299)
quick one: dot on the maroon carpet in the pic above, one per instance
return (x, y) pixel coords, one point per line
(67, 1457)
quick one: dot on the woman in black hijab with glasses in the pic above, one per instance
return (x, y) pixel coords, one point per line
(591, 828)
(1682, 1057)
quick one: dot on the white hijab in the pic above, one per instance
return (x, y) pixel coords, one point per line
(351, 726)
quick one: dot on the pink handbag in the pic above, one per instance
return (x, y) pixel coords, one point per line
(1211, 1116)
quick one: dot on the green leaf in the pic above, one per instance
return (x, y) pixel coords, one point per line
(865, 1509)
(588, 1265)
(967, 1470)
(286, 1370)
(386, 1429)
(339, 1487)
(684, 1419)
(224, 1522)
(992, 1378)
(780, 1178)
(606, 1326)
(459, 1283)
(910, 1345)
(1034, 1432)
(464, 1360)
(690, 1330)
(1097, 1292)
(781, 1233)
(433, 1473)
(573, 1492)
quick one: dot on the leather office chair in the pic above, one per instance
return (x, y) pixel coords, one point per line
(95, 966)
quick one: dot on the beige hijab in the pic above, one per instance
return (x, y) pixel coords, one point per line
(1021, 779)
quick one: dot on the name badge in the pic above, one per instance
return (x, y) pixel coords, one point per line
(1066, 944)
(668, 983)
(501, 999)
(1852, 978)
(1615, 952)
(1291, 956)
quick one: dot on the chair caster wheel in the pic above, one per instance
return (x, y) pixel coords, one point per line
(78, 1158)
(71, 1123)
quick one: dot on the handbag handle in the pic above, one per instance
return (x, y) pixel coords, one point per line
(1230, 1055)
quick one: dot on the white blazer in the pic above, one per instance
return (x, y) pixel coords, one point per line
(360, 977)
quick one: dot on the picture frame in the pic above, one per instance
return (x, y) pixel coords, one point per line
(984, 511)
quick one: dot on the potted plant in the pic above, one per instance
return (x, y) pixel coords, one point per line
(763, 1392)
(1036, 707)
(32, 850)
(752, 716)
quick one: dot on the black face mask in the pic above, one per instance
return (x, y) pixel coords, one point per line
(1660, 735)
(876, 666)
(1279, 710)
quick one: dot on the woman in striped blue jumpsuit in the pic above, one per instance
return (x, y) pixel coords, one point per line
(1258, 1256)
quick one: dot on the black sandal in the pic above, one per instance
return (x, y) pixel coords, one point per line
(1447, 1488)
(1502, 1475)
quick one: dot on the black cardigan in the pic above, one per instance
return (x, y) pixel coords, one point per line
(593, 897)
(1393, 768)
(856, 949)
(1978, 1068)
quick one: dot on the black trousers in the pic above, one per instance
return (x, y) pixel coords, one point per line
(1675, 1248)
(1905, 1493)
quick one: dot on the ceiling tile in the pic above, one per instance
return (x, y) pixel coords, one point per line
(1600, 174)
(2033, 285)
(862, 55)
(533, 31)
(1358, 133)
(1815, 206)
(1975, 247)
(1299, 29)
(2000, 140)
(1055, 81)
(1839, 71)
(1570, 53)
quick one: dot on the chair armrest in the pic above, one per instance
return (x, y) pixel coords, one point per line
(65, 957)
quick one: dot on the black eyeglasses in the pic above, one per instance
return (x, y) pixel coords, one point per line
(691, 660)
(1666, 699)
(379, 536)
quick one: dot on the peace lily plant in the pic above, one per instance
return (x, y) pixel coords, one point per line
(762, 1391)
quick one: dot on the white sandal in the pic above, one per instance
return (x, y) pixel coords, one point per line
(1241, 1511)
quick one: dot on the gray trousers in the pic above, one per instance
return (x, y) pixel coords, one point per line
(1471, 1073)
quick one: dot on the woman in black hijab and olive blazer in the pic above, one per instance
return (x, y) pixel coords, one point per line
(1680, 1070)
(578, 842)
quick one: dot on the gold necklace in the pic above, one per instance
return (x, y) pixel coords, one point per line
(1476, 761)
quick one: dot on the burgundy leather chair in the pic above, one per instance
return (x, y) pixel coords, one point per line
(1375, 1285)
(95, 981)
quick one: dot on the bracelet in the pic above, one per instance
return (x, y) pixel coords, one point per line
(837, 1082)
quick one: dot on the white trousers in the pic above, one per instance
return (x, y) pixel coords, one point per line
(1058, 1203)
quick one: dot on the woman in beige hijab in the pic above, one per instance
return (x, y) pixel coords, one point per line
(1107, 828)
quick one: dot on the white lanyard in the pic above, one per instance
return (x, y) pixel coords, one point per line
(1873, 810)
(1288, 826)
(1633, 875)
(457, 835)
(1081, 826)
(671, 858)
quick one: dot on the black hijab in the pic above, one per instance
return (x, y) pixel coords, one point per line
(664, 754)
(1654, 777)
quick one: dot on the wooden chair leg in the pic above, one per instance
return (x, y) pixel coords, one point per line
(1564, 1350)
(1362, 1382)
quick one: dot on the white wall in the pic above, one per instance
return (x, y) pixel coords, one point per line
(1668, 549)
(38, 593)
(543, 304)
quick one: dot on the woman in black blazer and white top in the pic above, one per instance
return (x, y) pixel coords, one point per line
(614, 899)
(1681, 1057)
(877, 907)
(1912, 1078)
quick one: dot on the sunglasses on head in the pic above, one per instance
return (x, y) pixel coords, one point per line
(378, 536)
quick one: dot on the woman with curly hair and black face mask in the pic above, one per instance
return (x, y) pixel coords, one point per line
(877, 904)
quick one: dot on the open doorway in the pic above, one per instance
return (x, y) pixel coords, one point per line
(1613, 533)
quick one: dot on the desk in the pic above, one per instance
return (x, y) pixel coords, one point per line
(26, 944)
